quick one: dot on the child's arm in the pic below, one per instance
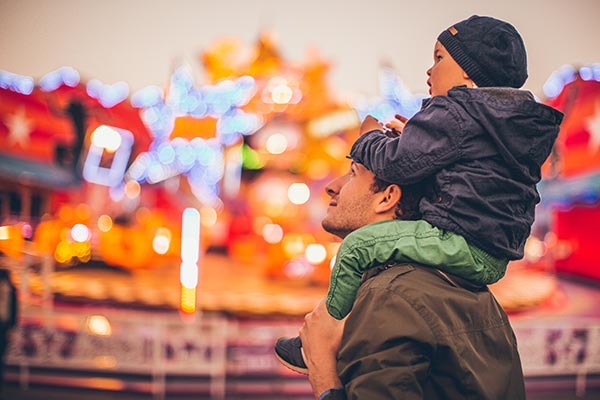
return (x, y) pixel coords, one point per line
(392, 129)
(430, 141)
(370, 124)
(397, 124)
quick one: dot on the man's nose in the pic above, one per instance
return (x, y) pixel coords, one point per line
(332, 187)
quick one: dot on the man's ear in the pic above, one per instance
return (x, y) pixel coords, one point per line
(390, 197)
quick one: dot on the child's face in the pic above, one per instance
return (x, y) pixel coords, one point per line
(445, 73)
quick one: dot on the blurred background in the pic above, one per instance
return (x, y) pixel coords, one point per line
(162, 174)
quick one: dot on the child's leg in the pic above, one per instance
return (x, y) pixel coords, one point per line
(397, 241)
(404, 241)
(325, 333)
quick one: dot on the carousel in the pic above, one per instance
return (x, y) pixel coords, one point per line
(174, 232)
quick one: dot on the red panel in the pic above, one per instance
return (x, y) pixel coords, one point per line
(578, 234)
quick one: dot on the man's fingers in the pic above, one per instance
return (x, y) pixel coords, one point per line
(401, 118)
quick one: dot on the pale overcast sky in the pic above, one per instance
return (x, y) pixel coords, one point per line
(137, 41)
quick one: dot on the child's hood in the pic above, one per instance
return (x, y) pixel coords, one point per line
(522, 129)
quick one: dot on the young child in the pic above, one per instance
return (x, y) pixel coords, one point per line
(478, 144)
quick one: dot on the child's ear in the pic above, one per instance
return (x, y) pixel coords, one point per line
(468, 80)
(390, 197)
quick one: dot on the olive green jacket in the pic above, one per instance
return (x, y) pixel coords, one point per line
(419, 333)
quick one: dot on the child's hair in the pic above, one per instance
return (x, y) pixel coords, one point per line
(489, 50)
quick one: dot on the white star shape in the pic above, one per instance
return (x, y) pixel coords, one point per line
(593, 126)
(19, 127)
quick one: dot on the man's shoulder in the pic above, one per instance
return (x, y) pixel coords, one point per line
(437, 296)
(396, 276)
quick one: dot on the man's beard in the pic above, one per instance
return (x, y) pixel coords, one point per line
(339, 230)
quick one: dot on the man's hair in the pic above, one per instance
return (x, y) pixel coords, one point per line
(408, 206)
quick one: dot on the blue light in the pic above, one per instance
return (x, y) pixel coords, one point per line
(70, 76)
(55, 79)
(16, 83)
(247, 84)
(567, 74)
(596, 68)
(201, 160)
(50, 82)
(93, 172)
(552, 87)
(25, 85)
(395, 99)
(147, 97)
(159, 120)
(205, 155)
(184, 153)
(166, 153)
(108, 95)
(586, 73)
(138, 168)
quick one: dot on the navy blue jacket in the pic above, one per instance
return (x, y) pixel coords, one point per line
(480, 152)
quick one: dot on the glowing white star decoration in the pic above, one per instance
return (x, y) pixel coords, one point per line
(19, 127)
(201, 161)
(593, 126)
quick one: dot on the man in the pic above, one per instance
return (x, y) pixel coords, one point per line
(414, 332)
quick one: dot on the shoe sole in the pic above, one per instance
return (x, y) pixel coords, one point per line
(295, 368)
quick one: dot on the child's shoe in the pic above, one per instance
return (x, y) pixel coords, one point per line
(289, 352)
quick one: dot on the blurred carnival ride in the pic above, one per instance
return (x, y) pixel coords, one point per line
(187, 177)
(209, 197)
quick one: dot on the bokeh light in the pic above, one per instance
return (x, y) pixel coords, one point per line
(189, 275)
(80, 233)
(208, 216)
(190, 236)
(281, 94)
(99, 325)
(297, 269)
(294, 244)
(188, 300)
(272, 233)
(315, 253)
(132, 189)
(276, 143)
(161, 241)
(107, 138)
(259, 223)
(298, 193)
(27, 231)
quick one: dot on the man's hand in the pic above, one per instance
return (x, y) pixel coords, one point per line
(321, 335)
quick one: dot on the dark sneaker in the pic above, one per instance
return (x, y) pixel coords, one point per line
(289, 352)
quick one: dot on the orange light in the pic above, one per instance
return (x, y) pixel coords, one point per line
(188, 300)
(104, 223)
(132, 189)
